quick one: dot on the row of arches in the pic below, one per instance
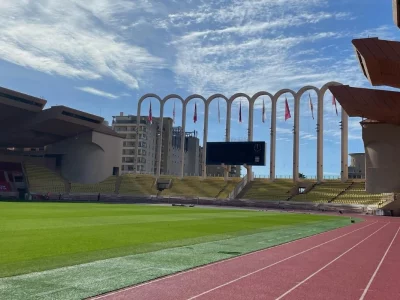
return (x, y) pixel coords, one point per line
(251, 100)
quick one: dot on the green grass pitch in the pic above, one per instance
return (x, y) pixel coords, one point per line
(42, 236)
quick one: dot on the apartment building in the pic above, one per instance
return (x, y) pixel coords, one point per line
(192, 152)
(170, 150)
(148, 142)
(148, 145)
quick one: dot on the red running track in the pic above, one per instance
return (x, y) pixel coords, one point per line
(355, 262)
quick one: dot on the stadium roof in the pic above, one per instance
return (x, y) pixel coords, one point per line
(376, 105)
(396, 12)
(379, 60)
(24, 123)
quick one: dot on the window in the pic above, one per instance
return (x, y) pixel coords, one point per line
(19, 99)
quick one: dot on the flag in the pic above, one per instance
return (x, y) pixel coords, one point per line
(334, 103)
(150, 115)
(311, 107)
(173, 114)
(263, 112)
(287, 110)
(240, 112)
(195, 113)
(219, 114)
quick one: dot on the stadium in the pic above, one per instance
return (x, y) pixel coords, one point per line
(141, 210)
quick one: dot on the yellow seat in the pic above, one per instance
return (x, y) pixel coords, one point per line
(42, 180)
(323, 192)
(356, 195)
(137, 185)
(105, 187)
(264, 189)
(211, 187)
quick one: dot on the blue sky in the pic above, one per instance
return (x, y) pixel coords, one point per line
(100, 56)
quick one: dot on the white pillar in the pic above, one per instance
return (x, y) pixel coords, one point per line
(320, 138)
(344, 146)
(273, 140)
(160, 140)
(228, 133)
(250, 136)
(296, 138)
(205, 135)
(137, 136)
(183, 139)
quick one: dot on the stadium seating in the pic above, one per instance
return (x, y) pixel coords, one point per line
(105, 187)
(323, 192)
(42, 180)
(212, 187)
(137, 185)
(356, 195)
(264, 189)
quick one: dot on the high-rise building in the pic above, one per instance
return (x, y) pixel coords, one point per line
(357, 166)
(192, 152)
(147, 147)
(171, 153)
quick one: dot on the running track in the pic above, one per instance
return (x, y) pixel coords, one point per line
(359, 262)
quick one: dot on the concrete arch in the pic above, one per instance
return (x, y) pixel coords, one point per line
(272, 132)
(195, 96)
(296, 129)
(237, 95)
(320, 136)
(306, 89)
(262, 93)
(284, 91)
(184, 109)
(216, 96)
(173, 96)
(273, 129)
(144, 97)
(274, 98)
(326, 86)
(138, 114)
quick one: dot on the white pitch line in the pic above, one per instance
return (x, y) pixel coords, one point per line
(274, 264)
(377, 268)
(218, 262)
(328, 264)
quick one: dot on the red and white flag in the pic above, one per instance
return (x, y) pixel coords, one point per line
(263, 112)
(240, 112)
(173, 115)
(311, 107)
(287, 110)
(195, 113)
(219, 114)
(334, 103)
(150, 115)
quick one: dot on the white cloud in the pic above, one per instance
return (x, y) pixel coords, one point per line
(97, 92)
(64, 38)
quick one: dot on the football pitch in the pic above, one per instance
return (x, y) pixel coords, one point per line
(120, 245)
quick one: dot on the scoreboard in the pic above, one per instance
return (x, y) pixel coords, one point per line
(236, 153)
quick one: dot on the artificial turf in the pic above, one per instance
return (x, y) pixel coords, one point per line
(42, 236)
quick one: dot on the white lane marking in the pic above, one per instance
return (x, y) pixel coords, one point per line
(328, 264)
(380, 264)
(217, 263)
(273, 264)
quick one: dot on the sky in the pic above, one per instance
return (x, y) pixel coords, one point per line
(101, 56)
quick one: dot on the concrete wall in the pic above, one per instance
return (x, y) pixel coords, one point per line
(381, 143)
(89, 157)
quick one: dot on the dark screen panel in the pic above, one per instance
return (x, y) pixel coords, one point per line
(236, 153)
